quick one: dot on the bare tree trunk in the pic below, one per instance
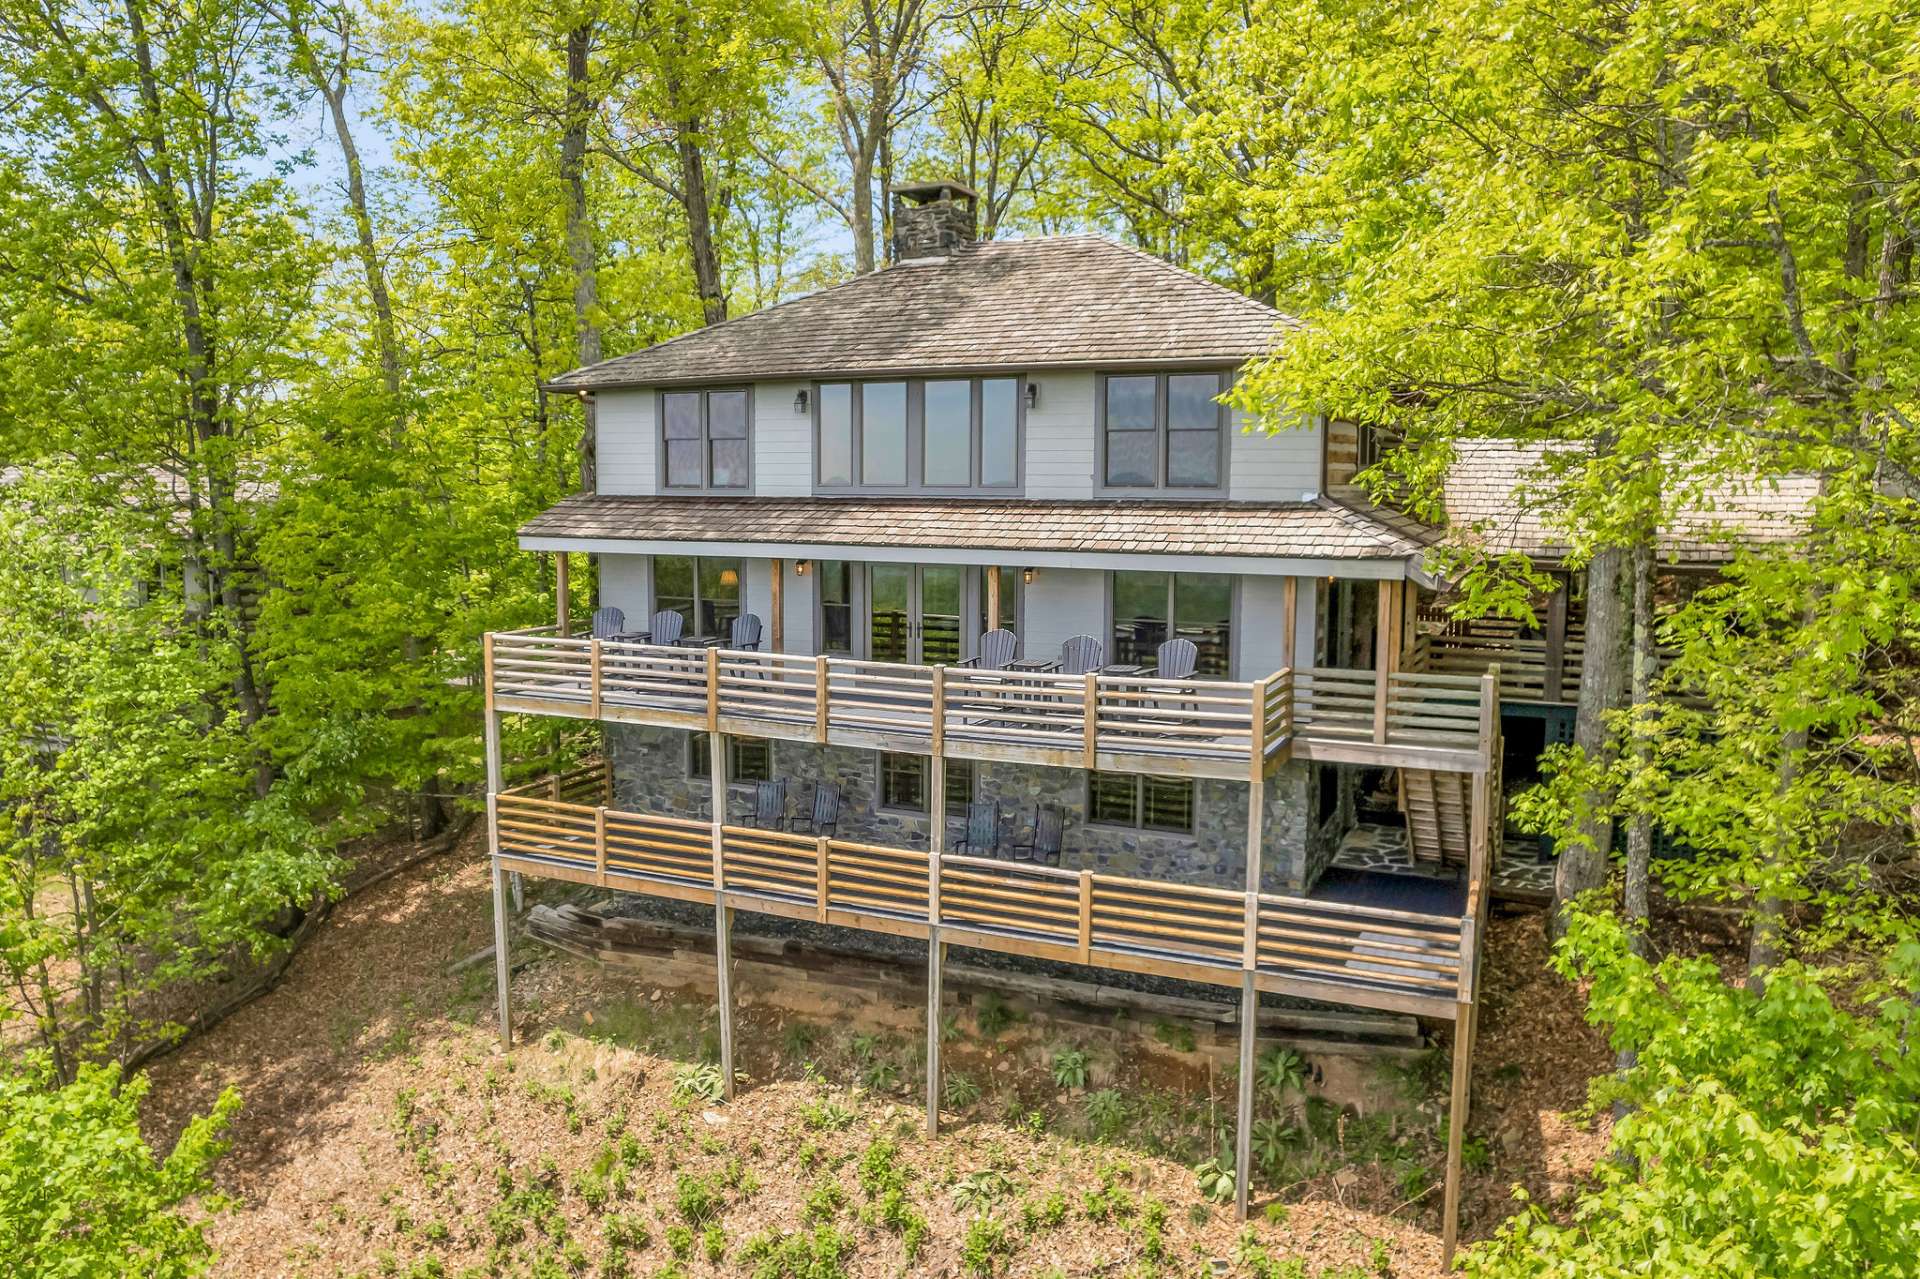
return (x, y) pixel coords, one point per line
(1603, 686)
(707, 277)
(1640, 828)
(580, 251)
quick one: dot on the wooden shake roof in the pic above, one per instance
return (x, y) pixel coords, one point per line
(1060, 302)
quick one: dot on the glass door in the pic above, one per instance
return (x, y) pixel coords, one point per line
(915, 613)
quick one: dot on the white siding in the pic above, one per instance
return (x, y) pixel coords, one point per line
(1060, 453)
(782, 442)
(1280, 467)
(1062, 603)
(624, 585)
(628, 454)
(1258, 638)
(756, 595)
(797, 601)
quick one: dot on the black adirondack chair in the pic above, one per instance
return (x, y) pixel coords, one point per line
(770, 804)
(824, 816)
(982, 835)
(1082, 655)
(1043, 839)
(997, 648)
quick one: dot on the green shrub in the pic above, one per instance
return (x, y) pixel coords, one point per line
(1070, 1068)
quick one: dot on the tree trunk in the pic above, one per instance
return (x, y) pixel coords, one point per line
(707, 277)
(383, 330)
(1603, 686)
(1640, 828)
(580, 252)
(861, 206)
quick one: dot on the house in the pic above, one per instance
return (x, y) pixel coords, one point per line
(1027, 438)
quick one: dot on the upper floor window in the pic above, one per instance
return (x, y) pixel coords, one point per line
(932, 435)
(703, 439)
(1162, 430)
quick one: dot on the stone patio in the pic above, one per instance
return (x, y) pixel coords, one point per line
(1520, 872)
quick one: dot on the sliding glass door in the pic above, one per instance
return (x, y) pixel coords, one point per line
(915, 613)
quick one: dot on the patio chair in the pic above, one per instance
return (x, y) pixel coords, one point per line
(824, 817)
(744, 633)
(982, 835)
(1043, 839)
(1082, 655)
(663, 627)
(608, 622)
(997, 648)
(1176, 659)
(770, 804)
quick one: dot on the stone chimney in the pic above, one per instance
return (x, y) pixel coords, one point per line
(931, 219)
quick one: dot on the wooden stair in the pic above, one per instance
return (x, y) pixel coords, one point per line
(1439, 810)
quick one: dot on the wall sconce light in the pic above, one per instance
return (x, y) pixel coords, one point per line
(1026, 575)
(800, 566)
(800, 400)
(1033, 395)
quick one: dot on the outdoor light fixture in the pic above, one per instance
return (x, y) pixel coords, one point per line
(800, 400)
(1033, 395)
(1026, 575)
(800, 566)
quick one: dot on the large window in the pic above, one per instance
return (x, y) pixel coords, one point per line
(703, 439)
(749, 759)
(836, 606)
(1162, 430)
(1151, 608)
(1144, 803)
(937, 435)
(905, 780)
(703, 590)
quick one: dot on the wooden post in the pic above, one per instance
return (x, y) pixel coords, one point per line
(936, 949)
(1257, 731)
(777, 642)
(1090, 721)
(562, 610)
(502, 960)
(593, 681)
(820, 850)
(1289, 618)
(713, 689)
(1456, 1129)
(820, 671)
(1249, 1000)
(938, 728)
(1086, 915)
(600, 845)
(722, 920)
(993, 597)
(1382, 643)
(1556, 638)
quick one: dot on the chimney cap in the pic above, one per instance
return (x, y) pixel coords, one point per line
(921, 192)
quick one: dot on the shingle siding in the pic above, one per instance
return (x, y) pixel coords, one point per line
(627, 453)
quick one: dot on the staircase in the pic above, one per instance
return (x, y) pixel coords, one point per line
(1439, 809)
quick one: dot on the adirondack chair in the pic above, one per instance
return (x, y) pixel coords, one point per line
(997, 648)
(1043, 839)
(770, 804)
(663, 627)
(744, 633)
(608, 622)
(982, 836)
(1176, 659)
(1082, 655)
(824, 817)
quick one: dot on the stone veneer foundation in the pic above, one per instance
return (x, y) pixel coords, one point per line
(651, 774)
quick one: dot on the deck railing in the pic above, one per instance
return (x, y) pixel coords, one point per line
(1368, 956)
(1218, 727)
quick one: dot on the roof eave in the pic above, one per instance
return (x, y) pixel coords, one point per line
(1222, 361)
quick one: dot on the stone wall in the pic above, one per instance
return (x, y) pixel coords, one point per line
(651, 774)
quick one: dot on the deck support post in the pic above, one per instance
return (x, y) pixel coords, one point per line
(562, 614)
(936, 949)
(722, 917)
(1249, 1000)
(1289, 619)
(502, 960)
(1463, 1031)
(1383, 637)
(1556, 638)
(993, 597)
(777, 624)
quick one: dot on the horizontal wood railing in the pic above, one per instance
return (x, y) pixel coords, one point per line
(1139, 722)
(1372, 957)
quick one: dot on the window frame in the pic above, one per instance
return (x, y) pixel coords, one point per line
(1138, 821)
(693, 622)
(1162, 435)
(697, 756)
(916, 437)
(926, 765)
(1173, 585)
(665, 485)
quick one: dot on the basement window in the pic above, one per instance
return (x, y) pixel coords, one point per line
(1141, 802)
(749, 759)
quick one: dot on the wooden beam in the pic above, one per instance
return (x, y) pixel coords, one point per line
(936, 949)
(1090, 721)
(713, 690)
(562, 610)
(1249, 997)
(1382, 644)
(777, 641)
(1456, 1132)
(937, 709)
(490, 740)
(722, 922)
(1289, 618)
(1556, 638)
(993, 597)
(820, 682)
